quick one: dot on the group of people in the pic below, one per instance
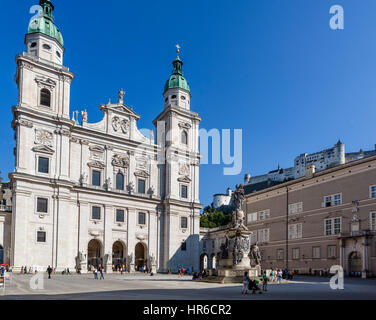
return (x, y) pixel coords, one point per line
(119, 268)
(253, 284)
(100, 271)
(4, 269)
(199, 275)
(181, 272)
(276, 275)
(26, 270)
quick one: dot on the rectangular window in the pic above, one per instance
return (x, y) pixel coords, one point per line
(43, 165)
(141, 218)
(295, 207)
(337, 225)
(263, 235)
(252, 217)
(96, 178)
(372, 192)
(328, 227)
(141, 186)
(333, 226)
(42, 205)
(120, 215)
(253, 237)
(265, 214)
(373, 221)
(184, 246)
(296, 253)
(184, 222)
(96, 213)
(184, 192)
(295, 231)
(280, 254)
(316, 252)
(332, 251)
(333, 200)
(41, 236)
(337, 199)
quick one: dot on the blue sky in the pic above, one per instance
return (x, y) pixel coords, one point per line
(273, 68)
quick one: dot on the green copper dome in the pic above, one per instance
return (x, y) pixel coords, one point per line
(45, 22)
(177, 79)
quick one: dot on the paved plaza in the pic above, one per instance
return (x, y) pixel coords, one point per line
(169, 287)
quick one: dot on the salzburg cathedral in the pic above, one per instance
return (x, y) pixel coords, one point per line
(89, 194)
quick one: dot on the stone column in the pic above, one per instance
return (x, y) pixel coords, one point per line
(365, 268)
(83, 233)
(342, 254)
(109, 169)
(107, 239)
(131, 237)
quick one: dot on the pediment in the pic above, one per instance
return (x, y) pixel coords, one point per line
(96, 164)
(142, 173)
(96, 148)
(184, 179)
(43, 149)
(120, 109)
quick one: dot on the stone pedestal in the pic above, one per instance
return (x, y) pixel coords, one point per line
(235, 259)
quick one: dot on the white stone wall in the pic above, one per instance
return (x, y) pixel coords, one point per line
(113, 145)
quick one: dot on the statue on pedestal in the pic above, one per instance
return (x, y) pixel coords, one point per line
(121, 97)
(238, 214)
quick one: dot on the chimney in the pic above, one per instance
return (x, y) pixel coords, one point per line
(310, 171)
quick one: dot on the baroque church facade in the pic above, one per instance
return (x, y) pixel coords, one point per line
(85, 193)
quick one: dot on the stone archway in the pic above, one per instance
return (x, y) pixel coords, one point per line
(94, 254)
(355, 264)
(118, 254)
(140, 256)
(204, 262)
(1, 255)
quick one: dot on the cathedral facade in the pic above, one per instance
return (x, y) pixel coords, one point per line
(88, 194)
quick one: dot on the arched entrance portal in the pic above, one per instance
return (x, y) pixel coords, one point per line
(94, 254)
(140, 256)
(1, 255)
(355, 264)
(204, 262)
(118, 254)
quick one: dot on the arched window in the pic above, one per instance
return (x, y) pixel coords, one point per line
(119, 181)
(184, 138)
(45, 98)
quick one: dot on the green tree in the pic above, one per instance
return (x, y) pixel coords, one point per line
(215, 219)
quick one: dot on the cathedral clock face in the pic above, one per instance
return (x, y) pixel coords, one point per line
(44, 138)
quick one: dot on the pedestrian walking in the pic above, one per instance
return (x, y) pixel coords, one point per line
(95, 274)
(245, 283)
(264, 281)
(49, 271)
(101, 272)
(279, 276)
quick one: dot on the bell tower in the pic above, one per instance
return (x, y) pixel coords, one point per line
(43, 82)
(177, 129)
